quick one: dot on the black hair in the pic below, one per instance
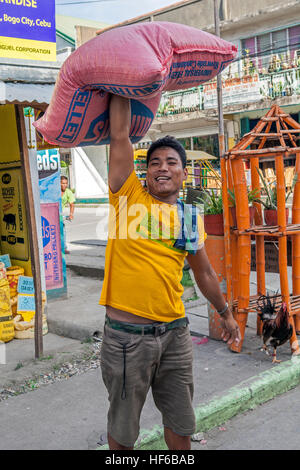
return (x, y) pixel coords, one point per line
(168, 141)
(63, 178)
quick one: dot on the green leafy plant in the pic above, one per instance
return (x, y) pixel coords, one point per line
(212, 203)
(271, 192)
(252, 196)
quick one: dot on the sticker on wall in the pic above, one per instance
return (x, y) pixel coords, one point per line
(13, 223)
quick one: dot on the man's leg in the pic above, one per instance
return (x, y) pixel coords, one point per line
(114, 445)
(176, 442)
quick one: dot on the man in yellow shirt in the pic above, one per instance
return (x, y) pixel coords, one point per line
(146, 341)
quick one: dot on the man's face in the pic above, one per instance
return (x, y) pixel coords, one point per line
(63, 184)
(165, 173)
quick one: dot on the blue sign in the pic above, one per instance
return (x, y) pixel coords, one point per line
(6, 260)
(26, 303)
(25, 285)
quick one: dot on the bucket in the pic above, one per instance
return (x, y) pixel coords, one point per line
(13, 274)
(7, 331)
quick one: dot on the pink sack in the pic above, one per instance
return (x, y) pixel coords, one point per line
(139, 61)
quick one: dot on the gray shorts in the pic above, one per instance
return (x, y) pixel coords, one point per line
(133, 363)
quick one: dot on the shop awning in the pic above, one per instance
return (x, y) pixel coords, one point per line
(199, 155)
(28, 94)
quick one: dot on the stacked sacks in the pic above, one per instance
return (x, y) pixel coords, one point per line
(139, 61)
(7, 332)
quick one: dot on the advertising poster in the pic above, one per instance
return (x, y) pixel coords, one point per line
(13, 223)
(52, 245)
(48, 162)
(27, 29)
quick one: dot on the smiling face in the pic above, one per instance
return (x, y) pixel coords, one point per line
(165, 174)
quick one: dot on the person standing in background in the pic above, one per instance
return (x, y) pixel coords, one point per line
(67, 198)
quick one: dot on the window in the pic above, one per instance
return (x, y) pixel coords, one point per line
(283, 43)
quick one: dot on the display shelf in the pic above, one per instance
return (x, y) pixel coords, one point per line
(275, 135)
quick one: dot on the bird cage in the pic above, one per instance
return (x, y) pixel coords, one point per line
(275, 135)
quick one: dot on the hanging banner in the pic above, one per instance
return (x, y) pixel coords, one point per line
(28, 29)
(52, 245)
(48, 163)
(13, 223)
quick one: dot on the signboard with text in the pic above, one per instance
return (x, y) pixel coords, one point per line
(27, 29)
(48, 163)
(52, 246)
(238, 90)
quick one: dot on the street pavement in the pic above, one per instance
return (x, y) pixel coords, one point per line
(241, 401)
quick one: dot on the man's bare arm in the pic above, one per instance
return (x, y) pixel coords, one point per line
(208, 283)
(121, 150)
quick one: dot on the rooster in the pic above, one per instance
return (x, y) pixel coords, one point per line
(277, 328)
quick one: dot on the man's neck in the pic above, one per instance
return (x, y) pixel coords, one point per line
(169, 199)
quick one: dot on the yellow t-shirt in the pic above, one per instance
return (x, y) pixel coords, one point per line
(143, 270)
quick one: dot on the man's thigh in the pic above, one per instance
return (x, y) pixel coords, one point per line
(172, 385)
(127, 370)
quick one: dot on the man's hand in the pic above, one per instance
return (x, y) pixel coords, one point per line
(231, 332)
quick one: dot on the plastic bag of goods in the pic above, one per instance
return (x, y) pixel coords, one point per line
(7, 332)
(13, 273)
(138, 61)
(2, 271)
(25, 329)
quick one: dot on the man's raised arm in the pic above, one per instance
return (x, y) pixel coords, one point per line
(121, 150)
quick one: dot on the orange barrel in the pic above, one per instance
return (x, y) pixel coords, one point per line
(215, 249)
(13, 273)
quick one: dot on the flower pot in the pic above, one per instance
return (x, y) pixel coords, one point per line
(251, 215)
(270, 216)
(214, 224)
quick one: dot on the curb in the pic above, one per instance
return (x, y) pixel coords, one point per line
(71, 330)
(88, 271)
(243, 397)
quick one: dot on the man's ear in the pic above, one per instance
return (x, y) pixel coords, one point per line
(186, 173)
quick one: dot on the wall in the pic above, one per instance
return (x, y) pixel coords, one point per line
(84, 34)
(14, 237)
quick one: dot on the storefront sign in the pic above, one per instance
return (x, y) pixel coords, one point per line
(235, 91)
(28, 29)
(13, 223)
(52, 245)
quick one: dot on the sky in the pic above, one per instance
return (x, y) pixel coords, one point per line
(108, 11)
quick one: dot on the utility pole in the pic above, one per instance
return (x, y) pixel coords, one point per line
(228, 262)
(219, 88)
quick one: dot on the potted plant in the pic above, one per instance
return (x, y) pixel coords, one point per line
(270, 203)
(213, 212)
(252, 197)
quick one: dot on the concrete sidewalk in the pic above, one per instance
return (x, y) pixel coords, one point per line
(226, 383)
